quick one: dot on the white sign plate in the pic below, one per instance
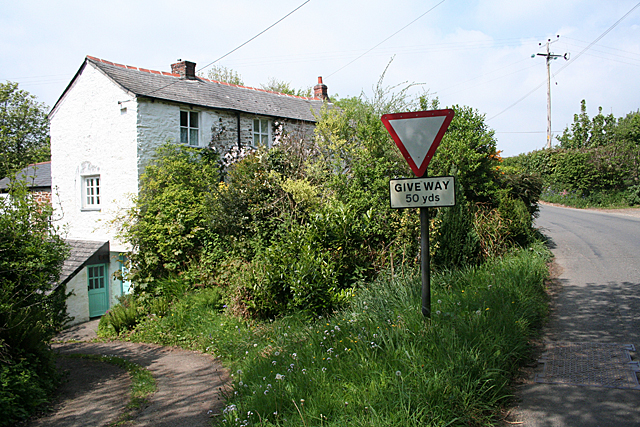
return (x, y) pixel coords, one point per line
(430, 192)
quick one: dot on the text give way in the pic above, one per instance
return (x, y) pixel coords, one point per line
(422, 192)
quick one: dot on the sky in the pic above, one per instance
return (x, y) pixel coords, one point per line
(476, 53)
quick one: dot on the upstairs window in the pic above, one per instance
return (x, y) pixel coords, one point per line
(189, 127)
(91, 192)
(261, 132)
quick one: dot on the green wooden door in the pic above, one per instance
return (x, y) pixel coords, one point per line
(98, 290)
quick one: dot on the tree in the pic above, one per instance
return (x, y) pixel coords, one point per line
(32, 305)
(588, 133)
(281, 86)
(24, 129)
(220, 73)
(628, 137)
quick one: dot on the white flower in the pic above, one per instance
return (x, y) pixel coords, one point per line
(279, 377)
(398, 373)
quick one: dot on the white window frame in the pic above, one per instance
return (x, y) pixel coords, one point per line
(260, 136)
(91, 193)
(189, 128)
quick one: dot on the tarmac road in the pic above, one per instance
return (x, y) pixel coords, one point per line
(598, 255)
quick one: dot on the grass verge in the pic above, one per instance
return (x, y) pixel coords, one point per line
(142, 383)
(575, 199)
(378, 362)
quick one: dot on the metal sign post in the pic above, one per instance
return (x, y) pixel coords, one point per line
(417, 135)
(425, 262)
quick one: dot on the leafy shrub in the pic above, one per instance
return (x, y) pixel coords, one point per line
(32, 305)
(121, 317)
(169, 225)
(458, 244)
(492, 231)
(27, 385)
(518, 220)
(633, 195)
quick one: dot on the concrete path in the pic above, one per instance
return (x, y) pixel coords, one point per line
(597, 304)
(189, 384)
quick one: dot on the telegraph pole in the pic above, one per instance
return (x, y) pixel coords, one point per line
(550, 56)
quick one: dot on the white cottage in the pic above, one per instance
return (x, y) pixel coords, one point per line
(106, 126)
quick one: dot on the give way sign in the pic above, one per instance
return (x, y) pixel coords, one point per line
(418, 134)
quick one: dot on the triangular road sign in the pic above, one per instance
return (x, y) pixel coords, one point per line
(418, 134)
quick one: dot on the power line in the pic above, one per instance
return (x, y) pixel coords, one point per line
(257, 35)
(345, 66)
(229, 53)
(569, 62)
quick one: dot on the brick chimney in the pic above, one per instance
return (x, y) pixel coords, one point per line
(186, 69)
(320, 90)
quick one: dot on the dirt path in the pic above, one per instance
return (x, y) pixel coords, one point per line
(188, 385)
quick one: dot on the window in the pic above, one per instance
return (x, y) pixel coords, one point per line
(189, 128)
(261, 132)
(91, 192)
(96, 277)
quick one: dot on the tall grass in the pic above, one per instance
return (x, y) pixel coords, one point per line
(378, 362)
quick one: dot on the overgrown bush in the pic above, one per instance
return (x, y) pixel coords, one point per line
(32, 305)
(297, 226)
(597, 161)
(169, 226)
(122, 317)
(633, 195)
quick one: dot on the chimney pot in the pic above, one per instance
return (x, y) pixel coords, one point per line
(320, 90)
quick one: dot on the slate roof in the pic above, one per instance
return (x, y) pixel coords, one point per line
(81, 251)
(38, 177)
(202, 92)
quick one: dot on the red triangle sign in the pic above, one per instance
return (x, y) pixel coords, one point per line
(418, 134)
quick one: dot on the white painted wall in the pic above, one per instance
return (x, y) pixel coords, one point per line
(78, 302)
(92, 134)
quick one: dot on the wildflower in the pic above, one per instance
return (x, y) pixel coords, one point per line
(304, 371)
(277, 353)
(279, 377)
(478, 312)
(439, 301)
(255, 345)
(239, 371)
(438, 312)
(398, 373)
(294, 355)
(230, 408)
(273, 362)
